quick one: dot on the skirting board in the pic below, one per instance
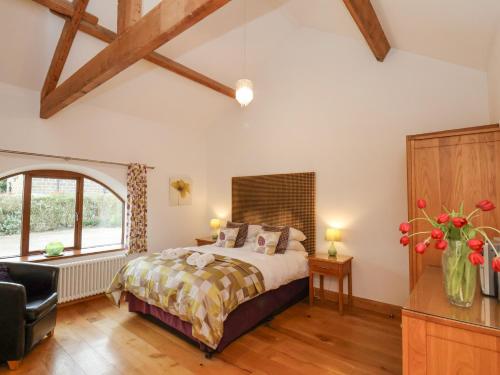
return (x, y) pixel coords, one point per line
(359, 302)
(81, 300)
(365, 304)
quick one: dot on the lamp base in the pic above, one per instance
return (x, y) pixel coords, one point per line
(332, 251)
(215, 235)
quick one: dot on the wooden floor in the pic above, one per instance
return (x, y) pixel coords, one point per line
(96, 337)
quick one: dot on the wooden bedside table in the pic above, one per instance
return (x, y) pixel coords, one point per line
(339, 266)
(205, 241)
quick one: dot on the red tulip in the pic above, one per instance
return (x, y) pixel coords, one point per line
(441, 244)
(437, 234)
(496, 264)
(476, 258)
(485, 205)
(421, 247)
(459, 222)
(405, 240)
(443, 218)
(421, 203)
(476, 245)
(404, 227)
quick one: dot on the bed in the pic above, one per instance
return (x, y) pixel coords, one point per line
(284, 199)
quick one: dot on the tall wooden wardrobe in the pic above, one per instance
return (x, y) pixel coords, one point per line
(446, 168)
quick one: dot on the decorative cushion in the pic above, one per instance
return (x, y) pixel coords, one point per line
(242, 233)
(283, 241)
(227, 237)
(267, 242)
(4, 274)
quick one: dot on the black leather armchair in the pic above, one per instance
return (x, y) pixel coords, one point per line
(28, 309)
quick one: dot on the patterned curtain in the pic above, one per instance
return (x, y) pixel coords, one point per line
(137, 208)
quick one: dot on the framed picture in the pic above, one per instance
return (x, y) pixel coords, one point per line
(180, 190)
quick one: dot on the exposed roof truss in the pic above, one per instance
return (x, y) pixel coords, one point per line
(138, 38)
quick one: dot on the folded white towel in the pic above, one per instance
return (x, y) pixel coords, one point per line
(170, 254)
(191, 260)
(204, 260)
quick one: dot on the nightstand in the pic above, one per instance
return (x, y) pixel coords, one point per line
(205, 241)
(339, 266)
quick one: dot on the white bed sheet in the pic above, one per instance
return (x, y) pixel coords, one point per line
(277, 269)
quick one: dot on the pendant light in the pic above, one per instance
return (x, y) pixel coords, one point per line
(244, 87)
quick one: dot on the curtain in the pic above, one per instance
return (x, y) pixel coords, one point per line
(137, 208)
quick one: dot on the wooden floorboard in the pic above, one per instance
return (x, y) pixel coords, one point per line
(95, 337)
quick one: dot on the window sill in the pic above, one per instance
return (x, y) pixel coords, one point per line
(39, 258)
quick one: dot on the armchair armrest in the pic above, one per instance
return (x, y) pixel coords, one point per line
(12, 321)
(38, 279)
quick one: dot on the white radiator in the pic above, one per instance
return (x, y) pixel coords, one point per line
(88, 277)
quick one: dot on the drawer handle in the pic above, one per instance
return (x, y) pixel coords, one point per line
(323, 267)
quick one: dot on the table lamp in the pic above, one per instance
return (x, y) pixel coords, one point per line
(332, 234)
(215, 225)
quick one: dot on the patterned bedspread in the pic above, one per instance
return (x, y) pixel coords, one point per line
(203, 298)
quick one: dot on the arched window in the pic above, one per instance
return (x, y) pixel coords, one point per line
(42, 206)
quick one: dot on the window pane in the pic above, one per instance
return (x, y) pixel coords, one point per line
(11, 215)
(53, 204)
(102, 216)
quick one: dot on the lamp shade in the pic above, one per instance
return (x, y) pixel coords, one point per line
(332, 234)
(215, 223)
(244, 92)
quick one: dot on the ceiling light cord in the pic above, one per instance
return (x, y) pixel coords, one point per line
(245, 38)
(244, 86)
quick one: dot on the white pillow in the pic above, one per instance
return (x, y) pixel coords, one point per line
(295, 245)
(296, 235)
(253, 231)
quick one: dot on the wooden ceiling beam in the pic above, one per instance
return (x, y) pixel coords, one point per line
(129, 12)
(368, 23)
(104, 34)
(66, 8)
(163, 23)
(63, 47)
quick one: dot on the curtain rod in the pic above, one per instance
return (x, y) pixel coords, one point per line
(67, 158)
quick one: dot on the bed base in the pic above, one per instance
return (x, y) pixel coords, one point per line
(244, 318)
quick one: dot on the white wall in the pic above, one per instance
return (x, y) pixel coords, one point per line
(324, 104)
(90, 132)
(494, 79)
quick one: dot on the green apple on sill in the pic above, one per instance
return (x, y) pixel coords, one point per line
(54, 249)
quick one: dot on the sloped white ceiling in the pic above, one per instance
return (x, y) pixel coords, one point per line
(456, 31)
(213, 47)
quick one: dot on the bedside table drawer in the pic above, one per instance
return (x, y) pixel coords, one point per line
(323, 267)
(205, 241)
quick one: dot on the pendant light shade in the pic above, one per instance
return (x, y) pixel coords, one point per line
(244, 92)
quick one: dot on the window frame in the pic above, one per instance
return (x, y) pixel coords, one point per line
(78, 228)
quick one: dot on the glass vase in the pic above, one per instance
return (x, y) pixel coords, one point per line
(459, 274)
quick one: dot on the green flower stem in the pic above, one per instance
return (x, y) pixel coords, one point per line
(494, 229)
(417, 218)
(428, 218)
(416, 234)
(460, 274)
(472, 213)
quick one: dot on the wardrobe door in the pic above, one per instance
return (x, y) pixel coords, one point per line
(447, 170)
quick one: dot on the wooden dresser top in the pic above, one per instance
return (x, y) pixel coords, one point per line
(428, 298)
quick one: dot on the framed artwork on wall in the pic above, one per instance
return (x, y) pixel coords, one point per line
(180, 190)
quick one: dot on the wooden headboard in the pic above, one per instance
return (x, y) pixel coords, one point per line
(278, 199)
